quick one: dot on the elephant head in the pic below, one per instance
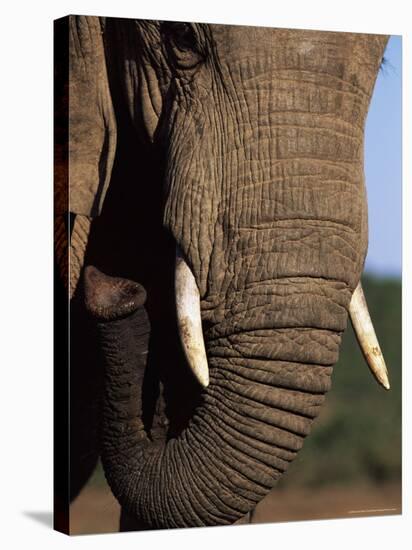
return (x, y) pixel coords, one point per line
(233, 252)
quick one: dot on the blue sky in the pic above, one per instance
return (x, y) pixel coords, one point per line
(383, 166)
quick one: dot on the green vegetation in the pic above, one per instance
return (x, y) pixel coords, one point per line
(357, 437)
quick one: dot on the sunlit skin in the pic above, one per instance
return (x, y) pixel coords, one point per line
(248, 156)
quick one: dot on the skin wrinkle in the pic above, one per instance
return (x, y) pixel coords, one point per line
(318, 86)
(240, 309)
(203, 496)
(259, 380)
(286, 374)
(206, 495)
(316, 75)
(214, 223)
(264, 462)
(243, 167)
(253, 431)
(258, 296)
(260, 450)
(278, 418)
(182, 485)
(247, 426)
(258, 350)
(300, 178)
(199, 502)
(232, 468)
(239, 456)
(184, 177)
(258, 393)
(91, 120)
(220, 471)
(278, 398)
(171, 479)
(310, 222)
(155, 97)
(224, 509)
(237, 324)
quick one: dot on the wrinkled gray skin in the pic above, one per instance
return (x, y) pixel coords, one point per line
(259, 134)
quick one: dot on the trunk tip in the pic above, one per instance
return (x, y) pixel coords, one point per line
(108, 298)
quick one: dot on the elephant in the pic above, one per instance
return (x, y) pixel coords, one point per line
(217, 237)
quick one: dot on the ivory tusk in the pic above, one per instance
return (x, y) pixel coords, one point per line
(365, 333)
(189, 320)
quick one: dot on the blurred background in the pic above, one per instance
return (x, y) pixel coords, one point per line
(351, 464)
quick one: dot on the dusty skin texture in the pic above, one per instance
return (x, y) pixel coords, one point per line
(85, 141)
(245, 147)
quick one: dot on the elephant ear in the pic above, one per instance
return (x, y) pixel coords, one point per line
(85, 138)
(138, 72)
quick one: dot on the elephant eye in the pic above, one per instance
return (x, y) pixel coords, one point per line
(182, 44)
(183, 36)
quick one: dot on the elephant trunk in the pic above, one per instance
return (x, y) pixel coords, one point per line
(252, 420)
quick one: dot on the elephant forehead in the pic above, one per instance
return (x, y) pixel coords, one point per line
(352, 58)
(232, 38)
(243, 41)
